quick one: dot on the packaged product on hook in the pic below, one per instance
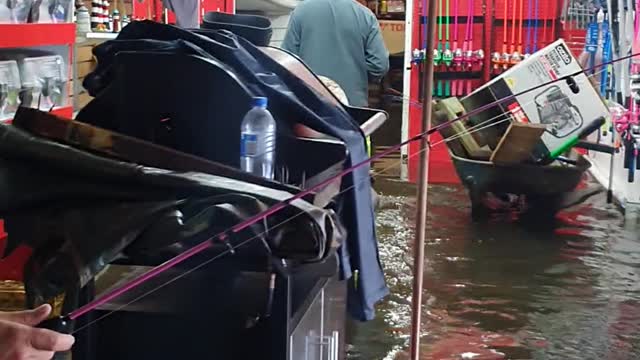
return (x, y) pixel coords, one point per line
(44, 82)
(15, 11)
(9, 89)
(51, 11)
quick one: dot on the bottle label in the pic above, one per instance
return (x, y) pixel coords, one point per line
(249, 145)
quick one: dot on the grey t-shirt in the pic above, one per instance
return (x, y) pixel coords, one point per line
(339, 39)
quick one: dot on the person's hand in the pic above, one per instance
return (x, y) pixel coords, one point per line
(20, 340)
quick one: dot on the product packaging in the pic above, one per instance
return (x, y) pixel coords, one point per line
(15, 11)
(44, 82)
(564, 107)
(9, 89)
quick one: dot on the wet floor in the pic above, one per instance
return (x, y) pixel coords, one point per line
(502, 290)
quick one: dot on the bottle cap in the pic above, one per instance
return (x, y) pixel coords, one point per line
(259, 102)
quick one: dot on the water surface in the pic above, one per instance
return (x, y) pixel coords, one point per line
(503, 290)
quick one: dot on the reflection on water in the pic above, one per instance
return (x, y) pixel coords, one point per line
(499, 290)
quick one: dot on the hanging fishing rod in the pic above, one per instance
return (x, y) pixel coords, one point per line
(517, 56)
(447, 56)
(62, 323)
(438, 58)
(535, 31)
(470, 55)
(527, 49)
(514, 18)
(458, 54)
(506, 57)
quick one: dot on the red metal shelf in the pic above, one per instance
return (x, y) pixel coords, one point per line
(30, 35)
(66, 112)
(11, 267)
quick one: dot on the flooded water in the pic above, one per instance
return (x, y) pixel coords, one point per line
(501, 290)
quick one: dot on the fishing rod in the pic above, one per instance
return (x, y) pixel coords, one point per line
(554, 6)
(544, 28)
(632, 133)
(504, 58)
(458, 55)
(614, 25)
(517, 57)
(447, 56)
(535, 31)
(439, 58)
(62, 323)
(527, 49)
(605, 78)
(469, 55)
(513, 28)
(592, 38)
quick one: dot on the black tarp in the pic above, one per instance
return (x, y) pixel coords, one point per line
(80, 211)
(290, 100)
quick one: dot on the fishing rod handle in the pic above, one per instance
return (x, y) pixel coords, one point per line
(60, 324)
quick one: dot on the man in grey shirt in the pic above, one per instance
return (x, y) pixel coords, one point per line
(339, 39)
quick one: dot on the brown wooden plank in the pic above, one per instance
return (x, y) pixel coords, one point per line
(517, 143)
(84, 53)
(83, 99)
(85, 68)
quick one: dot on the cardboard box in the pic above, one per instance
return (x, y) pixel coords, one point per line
(563, 107)
(393, 35)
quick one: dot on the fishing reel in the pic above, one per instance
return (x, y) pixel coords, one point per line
(468, 59)
(515, 58)
(496, 60)
(418, 56)
(505, 60)
(447, 57)
(458, 58)
(437, 57)
(478, 56)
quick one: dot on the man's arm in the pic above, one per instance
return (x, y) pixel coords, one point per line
(291, 40)
(376, 52)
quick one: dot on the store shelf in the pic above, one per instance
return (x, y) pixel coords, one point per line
(66, 112)
(30, 35)
(101, 35)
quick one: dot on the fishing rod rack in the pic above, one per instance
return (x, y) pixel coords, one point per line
(479, 39)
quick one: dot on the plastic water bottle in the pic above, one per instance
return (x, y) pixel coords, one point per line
(258, 140)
